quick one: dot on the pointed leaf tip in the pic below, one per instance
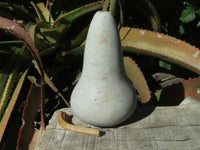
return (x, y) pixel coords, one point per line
(137, 78)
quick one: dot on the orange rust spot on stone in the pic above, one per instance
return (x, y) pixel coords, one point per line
(104, 40)
(103, 102)
(99, 103)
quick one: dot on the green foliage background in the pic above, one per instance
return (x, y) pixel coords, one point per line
(178, 18)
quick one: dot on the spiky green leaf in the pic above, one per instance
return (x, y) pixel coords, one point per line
(70, 17)
(7, 114)
(162, 46)
(137, 78)
(42, 12)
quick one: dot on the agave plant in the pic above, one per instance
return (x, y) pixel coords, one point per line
(55, 41)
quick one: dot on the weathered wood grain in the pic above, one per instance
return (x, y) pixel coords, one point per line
(159, 128)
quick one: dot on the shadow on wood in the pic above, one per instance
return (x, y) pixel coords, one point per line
(140, 113)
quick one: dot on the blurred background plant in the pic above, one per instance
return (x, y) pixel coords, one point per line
(58, 29)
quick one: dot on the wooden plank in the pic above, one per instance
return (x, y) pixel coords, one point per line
(171, 128)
